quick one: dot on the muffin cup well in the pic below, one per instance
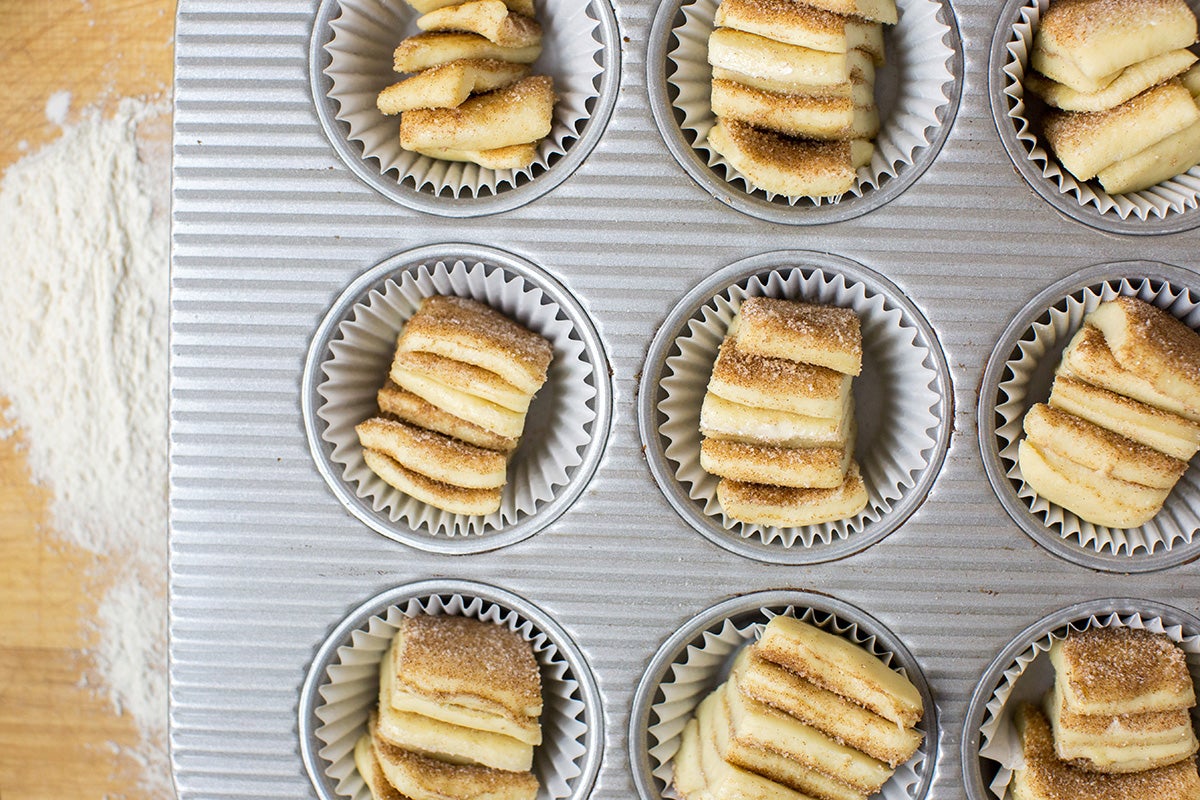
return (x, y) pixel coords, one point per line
(918, 92)
(350, 61)
(697, 658)
(342, 686)
(903, 402)
(1023, 673)
(349, 359)
(1169, 207)
(1019, 374)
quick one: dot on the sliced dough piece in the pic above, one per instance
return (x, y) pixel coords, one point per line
(419, 777)
(490, 19)
(448, 85)
(1165, 432)
(1120, 743)
(1162, 161)
(1191, 81)
(1086, 479)
(860, 90)
(1044, 776)
(778, 384)
(842, 667)
(760, 57)
(688, 778)
(454, 499)
(845, 721)
(412, 409)
(468, 664)
(433, 454)
(432, 49)
(800, 467)
(484, 413)
(372, 774)
(454, 744)
(519, 113)
(1132, 81)
(793, 23)
(1100, 500)
(1089, 358)
(713, 716)
(515, 156)
(471, 332)
(1154, 345)
(794, 114)
(1086, 143)
(1100, 449)
(475, 381)
(1062, 70)
(875, 10)
(723, 781)
(758, 725)
(1101, 37)
(783, 507)
(826, 336)
(425, 6)
(1121, 670)
(788, 166)
(723, 419)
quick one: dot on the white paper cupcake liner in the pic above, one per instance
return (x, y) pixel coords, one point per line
(1030, 370)
(700, 666)
(363, 37)
(897, 399)
(1031, 676)
(1174, 196)
(345, 689)
(915, 91)
(564, 426)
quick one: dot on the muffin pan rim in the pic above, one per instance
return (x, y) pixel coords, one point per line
(339, 636)
(989, 681)
(676, 322)
(491, 539)
(467, 207)
(750, 203)
(993, 374)
(668, 653)
(1065, 204)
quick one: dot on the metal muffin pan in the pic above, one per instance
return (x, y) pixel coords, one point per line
(270, 227)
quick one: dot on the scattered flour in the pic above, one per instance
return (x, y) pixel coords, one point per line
(84, 252)
(57, 107)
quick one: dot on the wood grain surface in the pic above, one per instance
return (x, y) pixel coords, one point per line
(58, 737)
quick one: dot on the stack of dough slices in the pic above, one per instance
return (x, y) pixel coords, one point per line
(1124, 98)
(459, 707)
(793, 90)
(1120, 701)
(454, 407)
(804, 715)
(1123, 418)
(472, 97)
(778, 418)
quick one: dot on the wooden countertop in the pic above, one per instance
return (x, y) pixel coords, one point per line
(55, 733)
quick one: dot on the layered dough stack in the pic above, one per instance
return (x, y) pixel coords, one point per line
(793, 90)
(454, 407)
(1116, 724)
(778, 417)
(472, 98)
(805, 714)
(459, 712)
(1123, 418)
(1112, 70)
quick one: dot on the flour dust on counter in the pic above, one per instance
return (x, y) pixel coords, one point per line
(84, 256)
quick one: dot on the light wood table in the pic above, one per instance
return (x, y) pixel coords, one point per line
(56, 735)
